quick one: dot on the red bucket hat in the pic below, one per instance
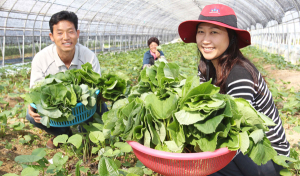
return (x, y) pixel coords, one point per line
(217, 14)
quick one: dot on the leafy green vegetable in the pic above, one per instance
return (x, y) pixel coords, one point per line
(56, 95)
(168, 112)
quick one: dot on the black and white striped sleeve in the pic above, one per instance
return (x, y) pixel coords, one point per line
(240, 84)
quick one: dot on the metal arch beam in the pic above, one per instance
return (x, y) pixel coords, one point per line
(36, 18)
(281, 8)
(243, 4)
(266, 16)
(101, 17)
(248, 16)
(146, 10)
(33, 44)
(79, 24)
(274, 15)
(42, 23)
(69, 5)
(107, 21)
(297, 10)
(156, 14)
(237, 8)
(120, 14)
(3, 50)
(80, 6)
(142, 4)
(166, 19)
(93, 19)
(3, 3)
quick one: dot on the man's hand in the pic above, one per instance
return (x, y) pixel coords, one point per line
(157, 53)
(37, 118)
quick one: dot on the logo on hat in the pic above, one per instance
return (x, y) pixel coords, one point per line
(214, 10)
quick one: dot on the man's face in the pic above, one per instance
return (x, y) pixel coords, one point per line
(64, 36)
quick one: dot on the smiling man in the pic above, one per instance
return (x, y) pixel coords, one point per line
(64, 54)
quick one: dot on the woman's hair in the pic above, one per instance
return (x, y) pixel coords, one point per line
(153, 39)
(227, 60)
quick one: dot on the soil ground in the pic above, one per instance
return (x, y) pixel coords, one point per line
(10, 147)
(293, 78)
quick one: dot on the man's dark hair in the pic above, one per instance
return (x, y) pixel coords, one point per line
(63, 15)
(153, 39)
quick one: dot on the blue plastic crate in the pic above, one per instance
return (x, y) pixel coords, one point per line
(79, 111)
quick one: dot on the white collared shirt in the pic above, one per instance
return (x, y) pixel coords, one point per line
(48, 62)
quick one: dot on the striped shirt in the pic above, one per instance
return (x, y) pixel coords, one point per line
(239, 84)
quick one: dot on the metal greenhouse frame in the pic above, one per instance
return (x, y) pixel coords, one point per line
(117, 25)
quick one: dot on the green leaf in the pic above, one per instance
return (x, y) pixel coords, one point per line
(147, 171)
(123, 146)
(262, 152)
(60, 139)
(39, 152)
(45, 121)
(267, 119)
(96, 137)
(139, 164)
(1, 162)
(209, 142)
(107, 167)
(52, 169)
(27, 158)
(118, 163)
(77, 169)
(188, 117)
(13, 95)
(95, 149)
(18, 126)
(209, 126)
(52, 113)
(161, 109)
(244, 141)
(173, 146)
(27, 138)
(59, 160)
(171, 70)
(10, 174)
(109, 153)
(29, 171)
(84, 169)
(136, 170)
(76, 140)
(257, 135)
(248, 112)
(281, 160)
(286, 172)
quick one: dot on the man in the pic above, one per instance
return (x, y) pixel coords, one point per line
(64, 54)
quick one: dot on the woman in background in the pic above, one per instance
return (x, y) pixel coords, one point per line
(153, 54)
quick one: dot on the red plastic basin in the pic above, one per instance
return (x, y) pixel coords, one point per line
(179, 164)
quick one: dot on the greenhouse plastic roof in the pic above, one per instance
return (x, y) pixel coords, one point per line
(134, 16)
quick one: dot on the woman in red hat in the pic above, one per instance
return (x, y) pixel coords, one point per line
(219, 42)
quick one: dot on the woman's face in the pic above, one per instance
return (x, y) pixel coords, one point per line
(212, 40)
(153, 47)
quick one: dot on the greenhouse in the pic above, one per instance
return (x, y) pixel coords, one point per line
(138, 87)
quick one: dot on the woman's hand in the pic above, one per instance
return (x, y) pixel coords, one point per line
(157, 53)
(37, 118)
